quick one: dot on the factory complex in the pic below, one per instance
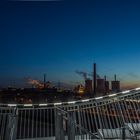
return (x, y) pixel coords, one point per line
(45, 92)
(98, 86)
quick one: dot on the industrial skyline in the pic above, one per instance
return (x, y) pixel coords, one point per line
(60, 37)
(93, 85)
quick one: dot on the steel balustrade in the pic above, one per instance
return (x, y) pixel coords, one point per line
(116, 116)
(8, 123)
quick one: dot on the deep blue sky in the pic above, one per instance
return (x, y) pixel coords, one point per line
(60, 37)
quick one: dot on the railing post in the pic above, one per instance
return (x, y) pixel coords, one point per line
(11, 133)
(14, 125)
(123, 133)
(59, 130)
(71, 126)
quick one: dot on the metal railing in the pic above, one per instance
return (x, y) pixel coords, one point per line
(114, 117)
(8, 124)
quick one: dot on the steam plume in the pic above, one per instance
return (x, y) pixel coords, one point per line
(83, 74)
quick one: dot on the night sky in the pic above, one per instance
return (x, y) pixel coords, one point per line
(60, 37)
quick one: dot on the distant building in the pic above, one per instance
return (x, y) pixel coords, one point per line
(88, 86)
(48, 84)
(100, 87)
(106, 87)
(115, 86)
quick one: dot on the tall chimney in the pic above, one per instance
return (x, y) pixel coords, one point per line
(94, 78)
(105, 77)
(115, 77)
(44, 80)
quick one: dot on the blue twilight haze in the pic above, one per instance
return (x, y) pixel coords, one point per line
(59, 37)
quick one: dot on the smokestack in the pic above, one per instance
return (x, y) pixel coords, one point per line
(106, 85)
(105, 77)
(44, 80)
(115, 77)
(94, 78)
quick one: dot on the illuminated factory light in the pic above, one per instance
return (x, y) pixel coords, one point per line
(112, 95)
(127, 91)
(99, 98)
(137, 88)
(57, 103)
(12, 105)
(28, 105)
(86, 100)
(73, 102)
(42, 104)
